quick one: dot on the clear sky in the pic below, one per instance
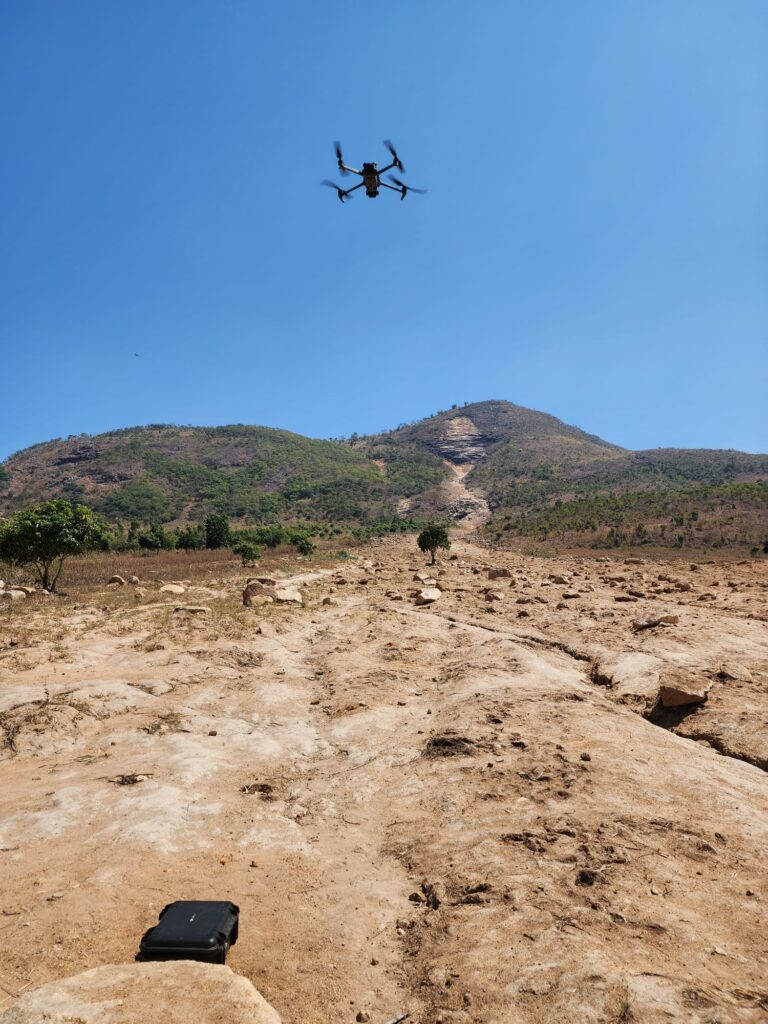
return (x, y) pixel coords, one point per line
(594, 242)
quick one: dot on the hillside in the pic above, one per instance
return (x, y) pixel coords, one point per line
(166, 473)
(530, 474)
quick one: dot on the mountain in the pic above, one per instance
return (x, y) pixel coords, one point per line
(531, 474)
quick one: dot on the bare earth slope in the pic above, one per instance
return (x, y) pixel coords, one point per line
(457, 810)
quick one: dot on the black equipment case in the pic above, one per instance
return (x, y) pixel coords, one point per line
(192, 930)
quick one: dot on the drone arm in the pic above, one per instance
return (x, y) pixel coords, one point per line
(388, 167)
(400, 191)
(353, 189)
(351, 170)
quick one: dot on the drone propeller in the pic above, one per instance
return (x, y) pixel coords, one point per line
(406, 188)
(339, 190)
(395, 157)
(339, 158)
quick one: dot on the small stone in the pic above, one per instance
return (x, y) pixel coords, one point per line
(362, 1017)
(585, 756)
(213, 732)
(678, 689)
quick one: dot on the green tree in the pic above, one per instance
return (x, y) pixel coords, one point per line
(43, 535)
(190, 538)
(433, 537)
(248, 551)
(156, 538)
(304, 545)
(217, 531)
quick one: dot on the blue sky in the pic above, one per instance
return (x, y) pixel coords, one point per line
(593, 243)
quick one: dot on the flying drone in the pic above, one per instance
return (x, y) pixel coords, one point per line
(371, 176)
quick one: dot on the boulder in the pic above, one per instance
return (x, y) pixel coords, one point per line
(172, 588)
(494, 595)
(267, 581)
(116, 579)
(428, 595)
(256, 592)
(499, 574)
(678, 688)
(193, 609)
(29, 591)
(734, 670)
(331, 601)
(289, 595)
(14, 594)
(133, 580)
(180, 992)
(563, 581)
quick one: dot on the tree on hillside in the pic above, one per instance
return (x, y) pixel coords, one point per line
(43, 535)
(249, 552)
(217, 531)
(433, 537)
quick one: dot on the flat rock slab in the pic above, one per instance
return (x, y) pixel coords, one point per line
(179, 992)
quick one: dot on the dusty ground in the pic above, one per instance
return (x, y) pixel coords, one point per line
(458, 810)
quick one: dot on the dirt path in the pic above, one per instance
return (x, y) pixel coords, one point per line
(447, 810)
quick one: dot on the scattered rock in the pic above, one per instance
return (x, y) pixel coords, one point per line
(172, 588)
(734, 670)
(678, 689)
(331, 602)
(290, 595)
(659, 620)
(428, 595)
(193, 609)
(494, 595)
(499, 574)
(179, 992)
(116, 579)
(256, 592)
(14, 595)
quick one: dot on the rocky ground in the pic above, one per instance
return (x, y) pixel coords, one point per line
(461, 797)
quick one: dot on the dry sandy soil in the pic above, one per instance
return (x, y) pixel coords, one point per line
(474, 810)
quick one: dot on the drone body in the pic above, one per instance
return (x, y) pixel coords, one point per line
(371, 176)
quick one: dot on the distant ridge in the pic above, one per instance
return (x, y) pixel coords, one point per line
(523, 462)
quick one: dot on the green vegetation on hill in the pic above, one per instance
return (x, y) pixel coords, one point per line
(541, 477)
(708, 515)
(258, 474)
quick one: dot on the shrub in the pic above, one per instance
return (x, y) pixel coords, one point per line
(248, 551)
(433, 537)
